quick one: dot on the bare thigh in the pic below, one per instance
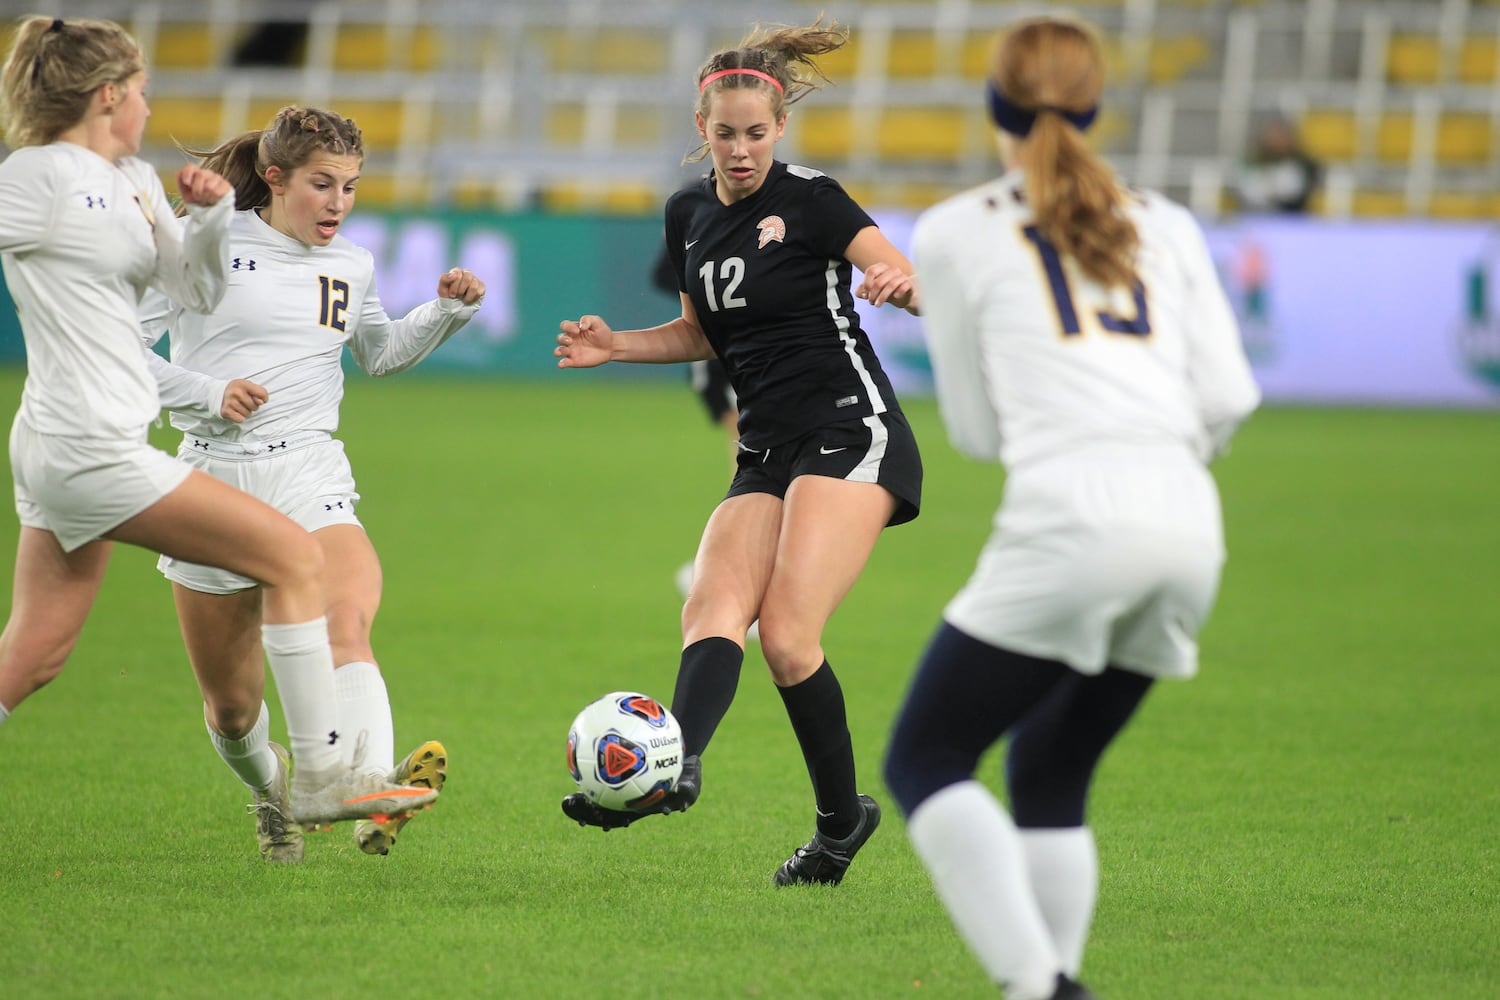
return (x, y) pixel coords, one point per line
(828, 529)
(210, 522)
(732, 568)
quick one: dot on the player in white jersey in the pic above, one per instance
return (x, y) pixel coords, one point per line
(85, 228)
(255, 386)
(1079, 336)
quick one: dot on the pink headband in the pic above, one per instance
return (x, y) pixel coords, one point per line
(710, 78)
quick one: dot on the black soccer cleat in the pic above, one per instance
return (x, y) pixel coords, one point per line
(586, 812)
(824, 860)
(1068, 989)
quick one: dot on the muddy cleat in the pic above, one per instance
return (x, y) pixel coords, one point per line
(823, 859)
(280, 838)
(424, 767)
(586, 812)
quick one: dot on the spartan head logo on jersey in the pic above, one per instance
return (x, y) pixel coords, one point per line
(771, 228)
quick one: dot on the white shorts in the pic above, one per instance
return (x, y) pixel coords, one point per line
(81, 488)
(308, 480)
(1101, 560)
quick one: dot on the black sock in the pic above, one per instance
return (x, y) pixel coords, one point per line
(706, 681)
(816, 708)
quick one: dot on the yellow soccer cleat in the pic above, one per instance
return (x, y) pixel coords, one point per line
(424, 767)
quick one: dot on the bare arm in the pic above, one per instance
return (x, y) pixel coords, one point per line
(887, 272)
(588, 342)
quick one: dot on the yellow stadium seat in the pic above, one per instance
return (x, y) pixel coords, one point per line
(1173, 57)
(371, 48)
(189, 121)
(1463, 205)
(822, 132)
(563, 125)
(185, 46)
(913, 54)
(922, 133)
(614, 50)
(1463, 139)
(1412, 58)
(1379, 204)
(380, 122)
(1478, 60)
(1393, 137)
(1329, 134)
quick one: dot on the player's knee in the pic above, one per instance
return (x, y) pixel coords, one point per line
(300, 561)
(232, 718)
(1047, 790)
(918, 765)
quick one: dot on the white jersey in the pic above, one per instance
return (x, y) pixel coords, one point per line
(82, 237)
(288, 312)
(1032, 360)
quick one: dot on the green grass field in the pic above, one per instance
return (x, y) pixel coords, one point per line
(1313, 817)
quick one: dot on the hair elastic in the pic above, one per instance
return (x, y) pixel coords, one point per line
(1018, 120)
(57, 24)
(710, 78)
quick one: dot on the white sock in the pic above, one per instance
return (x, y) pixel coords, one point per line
(973, 852)
(364, 706)
(1064, 869)
(302, 663)
(250, 756)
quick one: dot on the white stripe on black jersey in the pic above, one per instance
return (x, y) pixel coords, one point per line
(768, 279)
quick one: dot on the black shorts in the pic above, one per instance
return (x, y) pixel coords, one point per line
(879, 449)
(711, 383)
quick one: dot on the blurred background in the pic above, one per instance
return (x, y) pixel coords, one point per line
(1343, 155)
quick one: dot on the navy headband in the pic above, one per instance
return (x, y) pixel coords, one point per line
(1018, 121)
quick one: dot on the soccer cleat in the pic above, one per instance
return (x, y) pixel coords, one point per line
(424, 767)
(823, 859)
(323, 797)
(1068, 989)
(280, 838)
(586, 812)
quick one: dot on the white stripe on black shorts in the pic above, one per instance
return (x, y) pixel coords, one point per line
(878, 449)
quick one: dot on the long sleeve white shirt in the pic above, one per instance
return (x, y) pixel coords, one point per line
(285, 318)
(81, 238)
(1015, 385)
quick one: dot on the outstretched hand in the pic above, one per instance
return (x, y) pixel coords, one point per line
(459, 283)
(586, 343)
(242, 397)
(200, 185)
(883, 283)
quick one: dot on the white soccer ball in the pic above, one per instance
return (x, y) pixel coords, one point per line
(625, 751)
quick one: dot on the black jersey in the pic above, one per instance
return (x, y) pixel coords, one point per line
(771, 287)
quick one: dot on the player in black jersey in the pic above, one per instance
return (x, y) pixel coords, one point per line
(763, 253)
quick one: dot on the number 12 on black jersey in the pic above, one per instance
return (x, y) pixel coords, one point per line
(335, 302)
(731, 270)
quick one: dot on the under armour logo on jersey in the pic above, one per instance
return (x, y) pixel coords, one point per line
(238, 264)
(771, 228)
(273, 447)
(200, 444)
(93, 202)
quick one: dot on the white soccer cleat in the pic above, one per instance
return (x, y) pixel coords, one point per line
(424, 767)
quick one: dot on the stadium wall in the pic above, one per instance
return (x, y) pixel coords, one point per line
(1379, 313)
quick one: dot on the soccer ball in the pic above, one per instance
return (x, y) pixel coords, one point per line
(625, 751)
